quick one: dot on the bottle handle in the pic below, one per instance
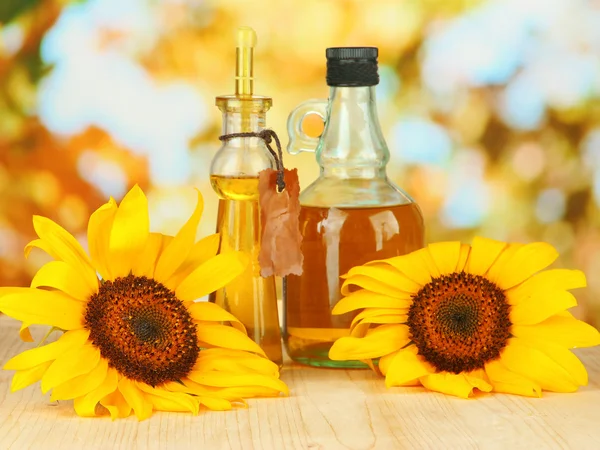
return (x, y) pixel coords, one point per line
(299, 140)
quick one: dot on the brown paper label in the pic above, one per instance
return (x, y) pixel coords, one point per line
(280, 242)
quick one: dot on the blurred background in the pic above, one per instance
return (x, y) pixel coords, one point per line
(491, 110)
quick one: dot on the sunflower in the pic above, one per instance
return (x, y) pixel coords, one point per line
(136, 339)
(455, 318)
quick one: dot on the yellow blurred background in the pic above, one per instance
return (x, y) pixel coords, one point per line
(491, 110)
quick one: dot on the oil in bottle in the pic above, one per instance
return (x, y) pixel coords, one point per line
(334, 241)
(249, 297)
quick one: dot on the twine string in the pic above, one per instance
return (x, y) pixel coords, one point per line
(268, 136)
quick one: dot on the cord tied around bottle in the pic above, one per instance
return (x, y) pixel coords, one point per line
(268, 136)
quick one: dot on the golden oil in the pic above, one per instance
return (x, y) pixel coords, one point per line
(334, 241)
(235, 188)
(250, 297)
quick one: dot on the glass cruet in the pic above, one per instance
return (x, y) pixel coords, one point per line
(351, 214)
(234, 176)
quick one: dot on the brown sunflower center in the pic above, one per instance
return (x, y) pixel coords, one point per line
(459, 322)
(143, 330)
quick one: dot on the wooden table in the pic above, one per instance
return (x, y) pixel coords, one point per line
(327, 409)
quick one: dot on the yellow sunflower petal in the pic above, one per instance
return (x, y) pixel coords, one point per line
(465, 250)
(378, 342)
(210, 312)
(224, 379)
(215, 404)
(116, 405)
(478, 379)
(445, 256)
(367, 299)
(232, 361)
(213, 398)
(484, 252)
(27, 377)
(406, 367)
(37, 306)
(85, 406)
(382, 319)
(565, 314)
(167, 403)
(555, 279)
(163, 400)
(60, 275)
(24, 332)
(81, 384)
(238, 394)
(142, 406)
(568, 361)
(522, 264)
(372, 285)
(146, 262)
(375, 312)
(505, 381)
(9, 290)
(412, 265)
(386, 274)
(212, 275)
(166, 240)
(453, 384)
(226, 337)
(77, 361)
(506, 254)
(65, 247)
(48, 352)
(425, 255)
(560, 330)
(42, 245)
(359, 330)
(537, 366)
(201, 252)
(563, 357)
(540, 306)
(230, 394)
(369, 362)
(129, 232)
(386, 360)
(98, 235)
(191, 387)
(178, 249)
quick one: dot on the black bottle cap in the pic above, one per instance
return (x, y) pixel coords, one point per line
(352, 66)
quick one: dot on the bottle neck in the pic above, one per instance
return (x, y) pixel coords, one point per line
(352, 144)
(234, 123)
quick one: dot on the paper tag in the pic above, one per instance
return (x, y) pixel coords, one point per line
(280, 240)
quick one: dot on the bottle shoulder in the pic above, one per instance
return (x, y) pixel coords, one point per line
(354, 192)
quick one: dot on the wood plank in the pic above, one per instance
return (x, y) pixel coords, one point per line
(328, 409)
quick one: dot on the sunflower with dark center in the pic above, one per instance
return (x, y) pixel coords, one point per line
(136, 340)
(455, 318)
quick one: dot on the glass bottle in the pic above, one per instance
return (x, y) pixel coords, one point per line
(351, 214)
(234, 177)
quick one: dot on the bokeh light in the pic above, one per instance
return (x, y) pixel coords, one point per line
(491, 110)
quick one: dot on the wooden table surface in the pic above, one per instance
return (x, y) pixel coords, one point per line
(327, 409)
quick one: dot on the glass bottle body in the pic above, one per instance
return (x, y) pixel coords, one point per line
(234, 177)
(350, 215)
